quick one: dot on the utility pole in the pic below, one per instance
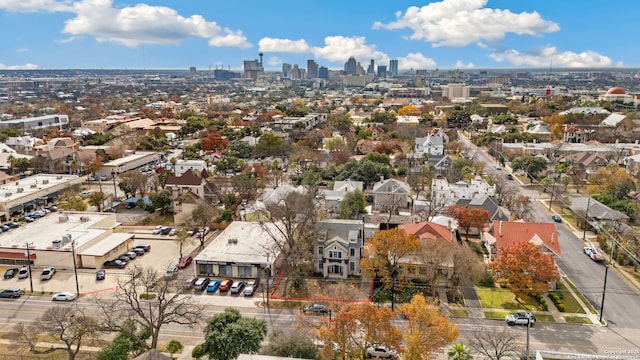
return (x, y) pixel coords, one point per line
(29, 266)
(586, 220)
(526, 354)
(604, 290)
(75, 267)
(267, 272)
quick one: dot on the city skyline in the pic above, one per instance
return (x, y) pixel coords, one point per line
(445, 34)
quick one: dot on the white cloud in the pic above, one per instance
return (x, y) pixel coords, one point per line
(461, 65)
(283, 45)
(459, 23)
(36, 5)
(274, 61)
(339, 48)
(67, 40)
(415, 61)
(551, 56)
(145, 24)
(18, 67)
(21, 50)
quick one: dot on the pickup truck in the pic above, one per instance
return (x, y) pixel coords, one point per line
(591, 251)
(520, 318)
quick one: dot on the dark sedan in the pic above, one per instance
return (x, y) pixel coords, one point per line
(10, 273)
(101, 274)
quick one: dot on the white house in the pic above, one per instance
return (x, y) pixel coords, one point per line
(432, 144)
(449, 194)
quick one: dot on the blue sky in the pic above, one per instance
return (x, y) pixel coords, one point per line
(445, 34)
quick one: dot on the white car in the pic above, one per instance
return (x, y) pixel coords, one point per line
(171, 271)
(64, 296)
(23, 273)
(47, 273)
(156, 230)
(379, 351)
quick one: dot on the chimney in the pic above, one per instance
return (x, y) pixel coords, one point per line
(381, 178)
(500, 233)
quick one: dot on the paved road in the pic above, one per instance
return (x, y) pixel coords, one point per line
(621, 299)
(583, 339)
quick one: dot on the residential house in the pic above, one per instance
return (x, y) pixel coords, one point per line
(376, 132)
(416, 267)
(590, 162)
(338, 247)
(595, 211)
(507, 233)
(489, 203)
(391, 194)
(191, 182)
(574, 134)
(432, 144)
(332, 198)
(449, 194)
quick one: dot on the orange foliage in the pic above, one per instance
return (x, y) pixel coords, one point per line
(526, 269)
(467, 217)
(409, 110)
(214, 142)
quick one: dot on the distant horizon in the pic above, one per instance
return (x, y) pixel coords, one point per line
(429, 34)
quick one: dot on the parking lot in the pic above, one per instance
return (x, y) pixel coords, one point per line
(164, 253)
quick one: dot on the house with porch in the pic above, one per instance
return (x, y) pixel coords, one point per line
(338, 247)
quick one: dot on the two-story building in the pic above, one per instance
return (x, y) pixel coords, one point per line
(449, 194)
(338, 247)
(432, 144)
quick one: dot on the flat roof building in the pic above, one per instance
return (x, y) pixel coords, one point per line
(25, 194)
(242, 250)
(40, 122)
(130, 162)
(52, 237)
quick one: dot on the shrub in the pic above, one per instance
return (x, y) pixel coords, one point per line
(560, 307)
(543, 305)
(554, 297)
(486, 279)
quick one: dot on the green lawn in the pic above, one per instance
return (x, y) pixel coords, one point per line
(571, 305)
(577, 320)
(494, 298)
(496, 314)
(545, 318)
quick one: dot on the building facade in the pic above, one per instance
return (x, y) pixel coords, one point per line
(338, 247)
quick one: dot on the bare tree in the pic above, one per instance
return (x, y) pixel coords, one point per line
(202, 217)
(291, 227)
(496, 344)
(132, 182)
(67, 324)
(151, 300)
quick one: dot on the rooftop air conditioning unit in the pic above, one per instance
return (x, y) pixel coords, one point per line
(19, 190)
(84, 218)
(66, 237)
(63, 218)
(8, 194)
(58, 177)
(233, 241)
(45, 181)
(33, 186)
(56, 243)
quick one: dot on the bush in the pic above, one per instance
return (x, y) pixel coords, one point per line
(560, 307)
(486, 279)
(543, 305)
(554, 297)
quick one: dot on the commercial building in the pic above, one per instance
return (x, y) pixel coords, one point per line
(40, 122)
(242, 250)
(393, 68)
(23, 195)
(130, 162)
(454, 91)
(54, 239)
(312, 69)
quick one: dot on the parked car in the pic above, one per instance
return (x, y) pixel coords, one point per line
(237, 287)
(520, 318)
(166, 230)
(131, 254)
(28, 219)
(184, 261)
(201, 283)
(23, 273)
(101, 274)
(556, 218)
(64, 296)
(188, 284)
(380, 351)
(138, 251)
(145, 247)
(592, 252)
(156, 230)
(13, 225)
(10, 273)
(5, 228)
(213, 285)
(250, 288)
(225, 284)
(11, 293)
(119, 264)
(171, 272)
(47, 273)
(172, 232)
(315, 309)
(124, 258)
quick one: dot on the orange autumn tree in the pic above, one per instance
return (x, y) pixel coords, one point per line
(355, 328)
(383, 252)
(426, 331)
(214, 141)
(467, 217)
(409, 110)
(526, 269)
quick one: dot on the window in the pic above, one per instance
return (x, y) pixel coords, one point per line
(335, 269)
(56, 120)
(335, 254)
(352, 252)
(225, 270)
(320, 248)
(352, 266)
(245, 271)
(320, 265)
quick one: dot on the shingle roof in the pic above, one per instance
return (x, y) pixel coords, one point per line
(189, 178)
(429, 230)
(391, 186)
(508, 233)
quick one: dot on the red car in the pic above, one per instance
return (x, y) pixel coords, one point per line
(184, 261)
(225, 284)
